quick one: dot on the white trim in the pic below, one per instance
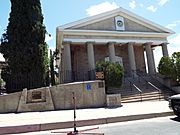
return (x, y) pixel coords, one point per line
(122, 12)
(113, 33)
(155, 42)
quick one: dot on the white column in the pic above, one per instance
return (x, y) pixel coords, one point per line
(164, 50)
(112, 55)
(90, 50)
(91, 62)
(67, 62)
(131, 56)
(150, 58)
(152, 50)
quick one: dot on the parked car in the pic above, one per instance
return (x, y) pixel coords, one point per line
(174, 104)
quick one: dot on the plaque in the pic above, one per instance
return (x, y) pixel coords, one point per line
(36, 96)
(99, 75)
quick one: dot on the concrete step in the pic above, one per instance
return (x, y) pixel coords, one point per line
(144, 93)
(130, 94)
(143, 97)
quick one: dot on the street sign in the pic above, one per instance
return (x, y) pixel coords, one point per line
(88, 86)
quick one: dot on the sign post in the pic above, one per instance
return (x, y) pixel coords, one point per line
(76, 132)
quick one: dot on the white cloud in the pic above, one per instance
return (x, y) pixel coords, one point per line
(48, 38)
(173, 24)
(162, 2)
(132, 4)
(100, 8)
(141, 5)
(53, 48)
(157, 55)
(151, 8)
(173, 48)
(175, 40)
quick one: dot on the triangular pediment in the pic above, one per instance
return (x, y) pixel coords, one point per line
(108, 22)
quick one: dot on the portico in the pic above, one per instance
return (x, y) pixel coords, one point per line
(98, 38)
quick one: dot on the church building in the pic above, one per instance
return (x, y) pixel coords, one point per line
(118, 36)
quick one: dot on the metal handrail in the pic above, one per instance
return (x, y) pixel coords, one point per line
(140, 91)
(159, 90)
(130, 83)
(139, 75)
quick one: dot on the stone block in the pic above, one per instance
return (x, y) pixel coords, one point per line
(113, 100)
(88, 94)
(35, 100)
(9, 103)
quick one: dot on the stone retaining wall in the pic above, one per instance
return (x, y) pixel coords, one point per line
(88, 94)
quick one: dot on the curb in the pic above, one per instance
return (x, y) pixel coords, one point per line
(79, 123)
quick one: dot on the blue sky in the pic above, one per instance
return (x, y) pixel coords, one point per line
(59, 12)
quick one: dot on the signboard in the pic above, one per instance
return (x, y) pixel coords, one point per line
(36, 96)
(99, 75)
(119, 23)
(88, 86)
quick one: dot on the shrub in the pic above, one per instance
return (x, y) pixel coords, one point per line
(113, 73)
(170, 66)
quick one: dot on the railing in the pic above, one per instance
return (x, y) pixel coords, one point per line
(130, 83)
(152, 85)
(159, 90)
(142, 77)
(138, 89)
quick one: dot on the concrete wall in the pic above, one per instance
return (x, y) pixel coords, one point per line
(79, 58)
(168, 83)
(35, 100)
(176, 89)
(88, 94)
(9, 103)
(85, 98)
(139, 58)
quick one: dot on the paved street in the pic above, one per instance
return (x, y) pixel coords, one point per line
(156, 126)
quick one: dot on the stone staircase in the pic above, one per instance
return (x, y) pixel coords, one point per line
(141, 88)
(142, 97)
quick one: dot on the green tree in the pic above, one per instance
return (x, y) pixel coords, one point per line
(113, 73)
(176, 61)
(165, 66)
(170, 66)
(52, 68)
(23, 46)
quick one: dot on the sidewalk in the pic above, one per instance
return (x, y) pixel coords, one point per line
(38, 121)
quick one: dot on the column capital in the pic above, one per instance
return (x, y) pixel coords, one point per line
(165, 43)
(109, 43)
(90, 42)
(148, 43)
(66, 42)
(131, 43)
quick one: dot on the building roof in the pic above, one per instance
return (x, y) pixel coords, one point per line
(119, 11)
